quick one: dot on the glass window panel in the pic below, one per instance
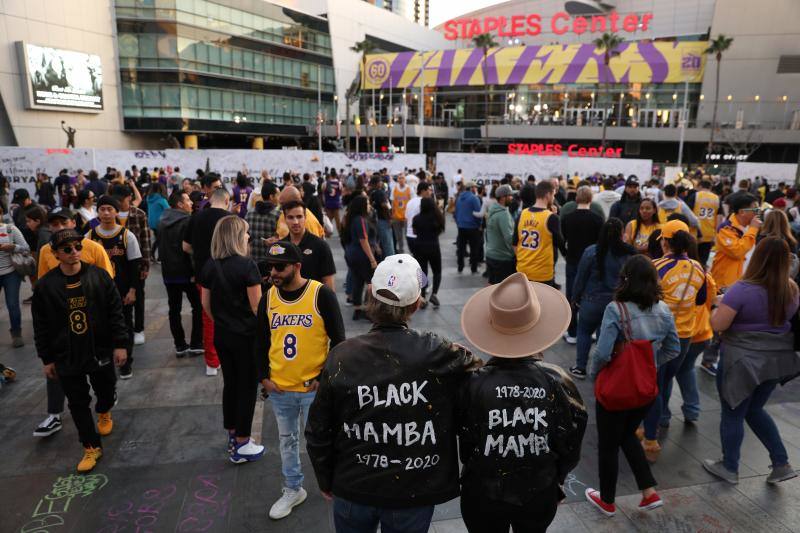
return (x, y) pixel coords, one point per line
(249, 103)
(287, 70)
(296, 71)
(227, 100)
(259, 103)
(237, 16)
(248, 59)
(147, 45)
(238, 101)
(170, 96)
(236, 56)
(215, 99)
(203, 98)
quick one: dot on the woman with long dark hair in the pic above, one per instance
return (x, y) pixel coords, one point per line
(757, 353)
(360, 243)
(683, 282)
(428, 225)
(597, 277)
(639, 294)
(638, 230)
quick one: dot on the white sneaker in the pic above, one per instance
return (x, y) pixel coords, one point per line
(250, 451)
(290, 499)
(138, 337)
(212, 371)
(570, 340)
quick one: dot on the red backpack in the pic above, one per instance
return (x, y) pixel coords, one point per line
(629, 380)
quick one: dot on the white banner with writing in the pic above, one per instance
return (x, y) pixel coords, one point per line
(483, 168)
(773, 172)
(20, 165)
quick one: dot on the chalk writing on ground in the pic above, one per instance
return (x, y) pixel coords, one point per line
(140, 513)
(49, 512)
(207, 504)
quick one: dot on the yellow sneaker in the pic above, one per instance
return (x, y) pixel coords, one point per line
(104, 424)
(652, 449)
(90, 457)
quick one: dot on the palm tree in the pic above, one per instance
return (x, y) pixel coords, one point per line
(608, 43)
(717, 46)
(485, 41)
(353, 94)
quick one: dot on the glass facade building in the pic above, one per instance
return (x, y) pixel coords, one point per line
(229, 66)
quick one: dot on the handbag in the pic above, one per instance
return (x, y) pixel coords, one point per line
(24, 263)
(629, 380)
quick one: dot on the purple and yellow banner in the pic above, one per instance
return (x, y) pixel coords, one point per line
(634, 62)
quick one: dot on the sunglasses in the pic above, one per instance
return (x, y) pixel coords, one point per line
(279, 267)
(68, 249)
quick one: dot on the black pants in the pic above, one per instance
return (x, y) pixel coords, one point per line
(361, 276)
(55, 397)
(482, 515)
(429, 253)
(703, 251)
(239, 378)
(471, 237)
(500, 270)
(615, 430)
(138, 319)
(76, 388)
(175, 292)
(127, 312)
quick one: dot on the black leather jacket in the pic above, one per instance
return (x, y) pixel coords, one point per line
(106, 323)
(382, 428)
(522, 423)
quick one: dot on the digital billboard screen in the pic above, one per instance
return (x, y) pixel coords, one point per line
(56, 78)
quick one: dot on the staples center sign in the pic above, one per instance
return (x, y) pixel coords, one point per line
(560, 23)
(573, 150)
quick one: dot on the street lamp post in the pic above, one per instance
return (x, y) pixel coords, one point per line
(683, 119)
(421, 98)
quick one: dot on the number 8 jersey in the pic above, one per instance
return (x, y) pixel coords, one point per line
(298, 339)
(534, 242)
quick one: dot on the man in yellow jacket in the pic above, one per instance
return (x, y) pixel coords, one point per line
(735, 238)
(313, 226)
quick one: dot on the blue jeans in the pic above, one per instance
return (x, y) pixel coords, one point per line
(9, 283)
(751, 410)
(351, 517)
(386, 237)
(288, 408)
(571, 271)
(590, 316)
(666, 372)
(687, 381)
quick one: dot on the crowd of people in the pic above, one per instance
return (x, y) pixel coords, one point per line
(666, 273)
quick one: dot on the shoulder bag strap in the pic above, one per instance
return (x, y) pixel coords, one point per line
(688, 282)
(625, 320)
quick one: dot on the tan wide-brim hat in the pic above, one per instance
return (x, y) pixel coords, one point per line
(515, 318)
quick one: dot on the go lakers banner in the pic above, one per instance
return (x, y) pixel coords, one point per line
(633, 62)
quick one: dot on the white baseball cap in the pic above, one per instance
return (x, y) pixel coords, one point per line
(401, 275)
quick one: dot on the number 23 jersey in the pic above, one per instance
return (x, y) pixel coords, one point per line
(534, 242)
(298, 338)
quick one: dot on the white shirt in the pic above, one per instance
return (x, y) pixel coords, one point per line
(654, 193)
(412, 210)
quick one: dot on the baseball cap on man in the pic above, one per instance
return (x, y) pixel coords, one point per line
(632, 181)
(63, 213)
(62, 237)
(503, 190)
(284, 252)
(672, 227)
(401, 276)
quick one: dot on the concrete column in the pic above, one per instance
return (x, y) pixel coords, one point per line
(258, 143)
(190, 142)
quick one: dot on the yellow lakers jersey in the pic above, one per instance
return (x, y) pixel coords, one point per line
(683, 283)
(535, 256)
(643, 232)
(663, 214)
(399, 202)
(706, 207)
(298, 339)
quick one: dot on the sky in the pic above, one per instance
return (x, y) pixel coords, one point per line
(443, 10)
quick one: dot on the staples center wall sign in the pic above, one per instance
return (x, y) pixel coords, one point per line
(577, 18)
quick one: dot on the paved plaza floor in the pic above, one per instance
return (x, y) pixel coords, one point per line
(165, 467)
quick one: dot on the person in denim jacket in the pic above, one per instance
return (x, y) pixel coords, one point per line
(595, 281)
(651, 319)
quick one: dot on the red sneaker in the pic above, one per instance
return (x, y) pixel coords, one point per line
(608, 509)
(651, 502)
